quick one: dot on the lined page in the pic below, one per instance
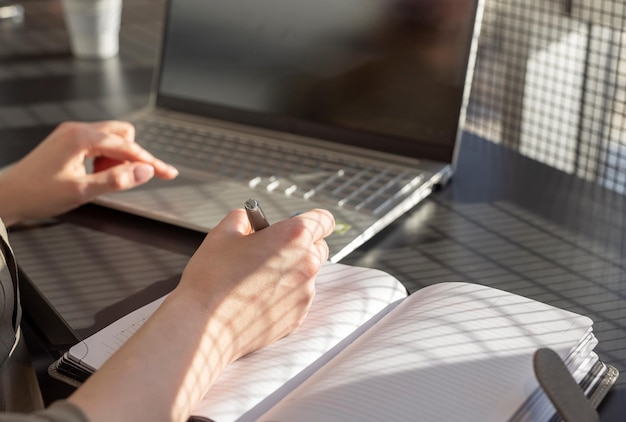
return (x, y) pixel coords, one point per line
(346, 298)
(451, 351)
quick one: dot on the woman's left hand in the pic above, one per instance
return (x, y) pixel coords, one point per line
(53, 177)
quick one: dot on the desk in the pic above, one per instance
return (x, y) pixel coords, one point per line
(505, 221)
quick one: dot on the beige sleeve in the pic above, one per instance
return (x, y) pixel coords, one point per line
(60, 411)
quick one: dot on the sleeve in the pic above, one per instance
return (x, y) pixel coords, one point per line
(60, 411)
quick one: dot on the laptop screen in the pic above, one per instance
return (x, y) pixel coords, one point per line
(383, 74)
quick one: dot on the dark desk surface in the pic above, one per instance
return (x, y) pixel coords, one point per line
(505, 221)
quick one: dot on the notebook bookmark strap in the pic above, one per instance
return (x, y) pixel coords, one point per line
(563, 391)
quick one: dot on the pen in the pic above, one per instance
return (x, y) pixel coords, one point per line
(255, 215)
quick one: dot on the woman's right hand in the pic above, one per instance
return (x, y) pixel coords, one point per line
(259, 285)
(239, 292)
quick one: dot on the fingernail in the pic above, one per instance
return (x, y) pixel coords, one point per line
(173, 170)
(143, 173)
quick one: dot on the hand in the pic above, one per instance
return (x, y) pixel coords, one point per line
(53, 178)
(261, 284)
(239, 292)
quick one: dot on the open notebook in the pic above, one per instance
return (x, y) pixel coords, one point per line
(354, 106)
(367, 352)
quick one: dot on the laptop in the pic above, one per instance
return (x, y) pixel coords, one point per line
(350, 105)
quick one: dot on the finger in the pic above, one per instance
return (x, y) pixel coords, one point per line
(323, 251)
(320, 222)
(235, 221)
(120, 177)
(116, 148)
(123, 129)
(113, 146)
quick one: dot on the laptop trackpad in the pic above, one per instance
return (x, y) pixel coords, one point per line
(199, 205)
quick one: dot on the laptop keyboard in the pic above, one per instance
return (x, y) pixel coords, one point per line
(329, 178)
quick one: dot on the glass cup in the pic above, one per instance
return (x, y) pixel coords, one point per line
(93, 27)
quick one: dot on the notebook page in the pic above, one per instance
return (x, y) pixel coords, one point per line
(346, 297)
(451, 351)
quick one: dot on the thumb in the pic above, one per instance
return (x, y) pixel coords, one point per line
(120, 177)
(235, 222)
(141, 174)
